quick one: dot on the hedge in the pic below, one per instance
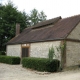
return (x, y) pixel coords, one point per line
(9, 59)
(41, 64)
(2, 53)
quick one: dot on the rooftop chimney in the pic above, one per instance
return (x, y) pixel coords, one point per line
(17, 29)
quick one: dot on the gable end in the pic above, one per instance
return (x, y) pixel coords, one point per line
(75, 33)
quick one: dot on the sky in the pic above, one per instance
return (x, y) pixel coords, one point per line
(52, 8)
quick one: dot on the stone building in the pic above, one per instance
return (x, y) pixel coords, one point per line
(35, 41)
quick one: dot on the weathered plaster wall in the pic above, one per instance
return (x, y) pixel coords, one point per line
(14, 50)
(75, 34)
(41, 49)
(72, 53)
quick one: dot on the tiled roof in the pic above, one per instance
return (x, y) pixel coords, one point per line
(48, 30)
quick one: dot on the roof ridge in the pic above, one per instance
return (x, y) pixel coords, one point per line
(71, 16)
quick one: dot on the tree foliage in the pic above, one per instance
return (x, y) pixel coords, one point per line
(9, 16)
(36, 17)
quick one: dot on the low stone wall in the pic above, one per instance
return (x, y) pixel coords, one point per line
(14, 50)
(72, 53)
(41, 49)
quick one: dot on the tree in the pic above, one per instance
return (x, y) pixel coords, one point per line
(51, 53)
(9, 16)
(36, 17)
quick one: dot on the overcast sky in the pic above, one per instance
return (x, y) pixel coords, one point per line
(52, 8)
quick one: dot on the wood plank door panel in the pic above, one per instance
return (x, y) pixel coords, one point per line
(25, 52)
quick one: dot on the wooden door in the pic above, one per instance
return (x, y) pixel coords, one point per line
(25, 52)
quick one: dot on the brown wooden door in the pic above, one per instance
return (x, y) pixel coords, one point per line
(25, 52)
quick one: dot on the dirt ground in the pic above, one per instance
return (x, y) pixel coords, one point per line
(16, 72)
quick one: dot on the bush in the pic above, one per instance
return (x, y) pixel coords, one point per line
(41, 64)
(2, 53)
(51, 53)
(9, 59)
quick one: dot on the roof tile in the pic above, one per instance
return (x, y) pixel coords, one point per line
(53, 29)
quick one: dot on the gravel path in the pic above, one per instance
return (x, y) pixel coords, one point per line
(16, 72)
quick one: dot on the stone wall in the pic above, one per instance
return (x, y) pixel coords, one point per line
(72, 53)
(14, 50)
(41, 49)
(73, 48)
